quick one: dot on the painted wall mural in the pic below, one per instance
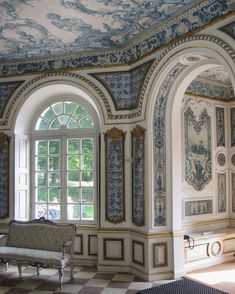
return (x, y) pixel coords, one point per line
(197, 128)
(159, 148)
(206, 88)
(4, 175)
(221, 190)
(124, 87)
(232, 126)
(198, 207)
(220, 127)
(114, 175)
(29, 37)
(138, 150)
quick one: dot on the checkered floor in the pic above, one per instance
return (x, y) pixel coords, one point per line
(86, 280)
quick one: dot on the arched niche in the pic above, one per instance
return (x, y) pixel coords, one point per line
(168, 81)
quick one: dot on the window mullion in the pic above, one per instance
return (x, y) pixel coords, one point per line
(63, 178)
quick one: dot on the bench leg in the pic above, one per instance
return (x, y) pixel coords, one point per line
(20, 270)
(61, 273)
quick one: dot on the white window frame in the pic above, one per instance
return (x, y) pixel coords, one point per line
(64, 134)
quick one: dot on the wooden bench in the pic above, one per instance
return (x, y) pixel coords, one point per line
(40, 243)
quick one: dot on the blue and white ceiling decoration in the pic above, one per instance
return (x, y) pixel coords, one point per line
(38, 33)
(214, 83)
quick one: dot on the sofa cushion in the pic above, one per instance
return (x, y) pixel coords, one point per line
(34, 256)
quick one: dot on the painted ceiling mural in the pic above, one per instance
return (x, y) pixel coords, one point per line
(33, 28)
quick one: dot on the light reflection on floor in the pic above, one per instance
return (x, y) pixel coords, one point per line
(220, 276)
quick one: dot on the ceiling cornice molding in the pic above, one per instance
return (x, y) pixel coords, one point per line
(188, 22)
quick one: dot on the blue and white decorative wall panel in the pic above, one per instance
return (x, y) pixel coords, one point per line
(138, 149)
(198, 207)
(232, 126)
(4, 175)
(205, 88)
(124, 87)
(220, 127)
(159, 148)
(114, 175)
(197, 128)
(6, 90)
(221, 186)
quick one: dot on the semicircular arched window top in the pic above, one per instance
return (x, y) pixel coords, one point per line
(64, 113)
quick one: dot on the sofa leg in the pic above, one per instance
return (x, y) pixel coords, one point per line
(71, 271)
(61, 273)
(20, 270)
(38, 273)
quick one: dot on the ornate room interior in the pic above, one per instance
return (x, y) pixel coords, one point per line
(119, 117)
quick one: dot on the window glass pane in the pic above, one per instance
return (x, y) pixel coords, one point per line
(63, 119)
(73, 212)
(41, 163)
(87, 162)
(88, 195)
(80, 112)
(74, 195)
(54, 179)
(87, 178)
(73, 162)
(73, 146)
(41, 179)
(86, 122)
(54, 195)
(54, 211)
(54, 147)
(49, 114)
(87, 212)
(72, 124)
(41, 147)
(42, 124)
(58, 108)
(87, 146)
(41, 210)
(73, 179)
(69, 107)
(55, 125)
(54, 163)
(41, 195)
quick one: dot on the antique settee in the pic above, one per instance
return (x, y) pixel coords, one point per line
(40, 243)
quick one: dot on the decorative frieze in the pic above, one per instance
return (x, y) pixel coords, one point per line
(198, 207)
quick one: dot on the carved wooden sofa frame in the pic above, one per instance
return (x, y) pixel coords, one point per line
(40, 243)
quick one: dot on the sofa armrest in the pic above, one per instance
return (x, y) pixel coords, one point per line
(3, 239)
(65, 245)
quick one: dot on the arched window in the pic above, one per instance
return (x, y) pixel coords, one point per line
(63, 164)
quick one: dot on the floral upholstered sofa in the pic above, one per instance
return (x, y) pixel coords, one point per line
(40, 243)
